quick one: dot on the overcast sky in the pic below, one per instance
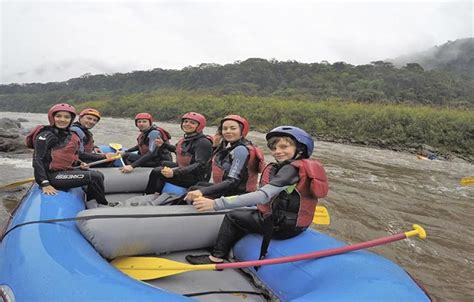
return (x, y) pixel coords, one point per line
(58, 40)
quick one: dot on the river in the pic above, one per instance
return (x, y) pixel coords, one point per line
(373, 193)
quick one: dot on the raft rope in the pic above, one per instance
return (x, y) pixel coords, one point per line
(234, 292)
(90, 217)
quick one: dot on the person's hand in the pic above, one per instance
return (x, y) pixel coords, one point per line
(192, 195)
(203, 204)
(49, 190)
(167, 172)
(159, 142)
(122, 153)
(84, 166)
(126, 169)
(216, 139)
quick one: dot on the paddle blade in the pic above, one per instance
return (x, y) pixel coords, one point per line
(148, 268)
(321, 215)
(17, 183)
(115, 146)
(467, 181)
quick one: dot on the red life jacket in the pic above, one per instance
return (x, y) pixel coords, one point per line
(312, 184)
(31, 136)
(65, 155)
(255, 165)
(183, 157)
(143, 140)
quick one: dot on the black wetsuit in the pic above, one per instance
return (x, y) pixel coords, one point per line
(52, 137)
(199, 169)
(233, 159)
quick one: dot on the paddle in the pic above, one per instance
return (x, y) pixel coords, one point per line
(321, 215)
(17, 183)
(467, 181)
(117, 147)
(147, 268)
(105, 160)
(27, 180)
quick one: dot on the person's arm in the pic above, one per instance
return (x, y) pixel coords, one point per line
(132, 149)
(85, 156)
(152, 150)
(286, 176)
(202, 157)
(232, 181)
(43, 143)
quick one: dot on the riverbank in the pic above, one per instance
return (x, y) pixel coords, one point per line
(400, 127)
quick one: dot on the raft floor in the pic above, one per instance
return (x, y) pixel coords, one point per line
(225, 285)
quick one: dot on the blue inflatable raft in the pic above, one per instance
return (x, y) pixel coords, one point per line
(54, 261)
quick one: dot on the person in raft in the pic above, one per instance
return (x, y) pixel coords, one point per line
(286, 200)
(148, 154)
(193, 157)
(236, 162)
(88, 118)
(56, 153)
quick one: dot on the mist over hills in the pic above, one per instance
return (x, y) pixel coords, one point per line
(456, 56)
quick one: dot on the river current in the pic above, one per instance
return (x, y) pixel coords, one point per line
(373, 193)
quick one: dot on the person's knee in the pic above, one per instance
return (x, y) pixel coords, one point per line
(97, 176)
(156, 172)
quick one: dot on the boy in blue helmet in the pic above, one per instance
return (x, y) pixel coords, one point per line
(286, 200)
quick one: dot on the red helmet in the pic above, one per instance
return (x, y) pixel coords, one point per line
(143, 116)
(90, 111)
(197, 117)
(242, 121)
(61, 107)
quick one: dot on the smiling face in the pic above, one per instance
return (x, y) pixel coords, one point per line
(88, 121)
(189, 126)
(62, 119)
(282, 148)
(143, 124)
(231, 131)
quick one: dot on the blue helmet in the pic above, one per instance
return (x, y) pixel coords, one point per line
(303, 140)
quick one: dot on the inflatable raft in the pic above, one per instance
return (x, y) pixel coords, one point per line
(55, 250)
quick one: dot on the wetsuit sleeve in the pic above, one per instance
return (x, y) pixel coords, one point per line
(169, 147)
(153, 152)
(202, 157)
(43, 143)
(85, 156)
(232, 181)
(285, 177)
(132, 149)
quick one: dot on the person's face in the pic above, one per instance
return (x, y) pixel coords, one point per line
(88, 121)
(62, 119)
(283, 150)
(189, 126)
(143, 124)
(231, 131)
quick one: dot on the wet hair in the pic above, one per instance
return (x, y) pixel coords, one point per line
(272, 141)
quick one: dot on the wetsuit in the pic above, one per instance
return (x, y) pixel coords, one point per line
(63, 177)
(233, 160)
(194, 164)
(153, 156)
(239, 222)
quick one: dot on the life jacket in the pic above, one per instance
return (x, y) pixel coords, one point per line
(85, 136)
(255, 165)
(183, 156)
(312, 184)
(143, 140)
(65, 154)
(31, 136)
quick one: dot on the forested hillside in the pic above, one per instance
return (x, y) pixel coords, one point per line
(375, 104)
